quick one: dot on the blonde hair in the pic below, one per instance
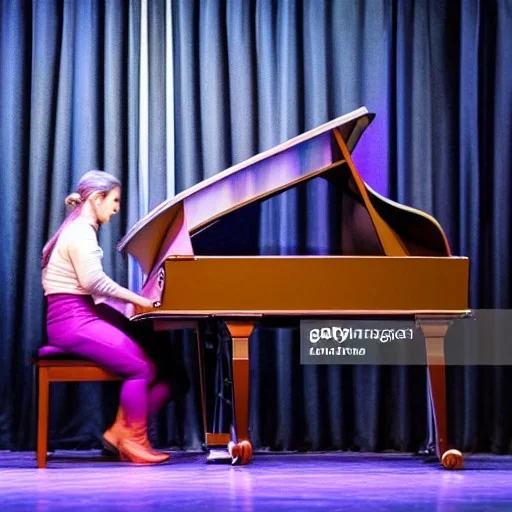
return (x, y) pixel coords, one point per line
(90, 182)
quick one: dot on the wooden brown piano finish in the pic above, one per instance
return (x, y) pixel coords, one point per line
(394, 261)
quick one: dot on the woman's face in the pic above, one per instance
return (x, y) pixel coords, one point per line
(106, 207)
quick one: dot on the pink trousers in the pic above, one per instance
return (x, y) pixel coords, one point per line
(101, 334)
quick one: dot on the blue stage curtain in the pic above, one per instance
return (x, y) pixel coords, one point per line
(167, 93)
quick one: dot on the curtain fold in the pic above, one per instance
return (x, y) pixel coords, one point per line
(167, 93)
(15, 77)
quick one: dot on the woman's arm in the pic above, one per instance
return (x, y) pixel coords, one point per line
(85, 255)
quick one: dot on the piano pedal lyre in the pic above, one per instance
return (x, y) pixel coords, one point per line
(237, 452)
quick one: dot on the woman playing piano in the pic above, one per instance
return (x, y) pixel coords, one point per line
(81, 323)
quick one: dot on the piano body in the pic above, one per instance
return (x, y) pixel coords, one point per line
(394, 261)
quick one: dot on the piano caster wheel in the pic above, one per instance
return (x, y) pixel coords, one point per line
(452, 459)
(240, 452)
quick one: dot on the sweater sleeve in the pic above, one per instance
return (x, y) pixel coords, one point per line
(86, 255)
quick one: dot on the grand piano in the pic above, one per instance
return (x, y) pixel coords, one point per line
(395, 260)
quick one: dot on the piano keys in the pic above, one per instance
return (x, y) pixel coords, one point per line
(383, 245)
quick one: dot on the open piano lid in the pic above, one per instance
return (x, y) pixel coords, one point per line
(298, 159)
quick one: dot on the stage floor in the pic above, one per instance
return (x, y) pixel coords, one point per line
(81, 481)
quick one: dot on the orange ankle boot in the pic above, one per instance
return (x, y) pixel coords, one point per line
(112, 435)
(119, 430)
(133, 447)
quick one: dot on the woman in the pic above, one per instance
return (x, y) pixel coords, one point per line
(79, 321)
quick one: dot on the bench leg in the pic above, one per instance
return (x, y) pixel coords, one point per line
(42, 417)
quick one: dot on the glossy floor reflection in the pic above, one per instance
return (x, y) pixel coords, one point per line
(81, 481)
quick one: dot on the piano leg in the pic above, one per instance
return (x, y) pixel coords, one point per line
(202, 383)
(434, 330)
(241, 447)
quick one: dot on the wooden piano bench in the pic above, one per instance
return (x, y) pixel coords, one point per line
(54, 365)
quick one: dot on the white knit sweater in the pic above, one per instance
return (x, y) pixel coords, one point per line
(75, 265)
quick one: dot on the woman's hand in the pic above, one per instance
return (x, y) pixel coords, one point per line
(144, 302)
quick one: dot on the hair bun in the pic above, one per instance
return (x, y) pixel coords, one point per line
(73, 200)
